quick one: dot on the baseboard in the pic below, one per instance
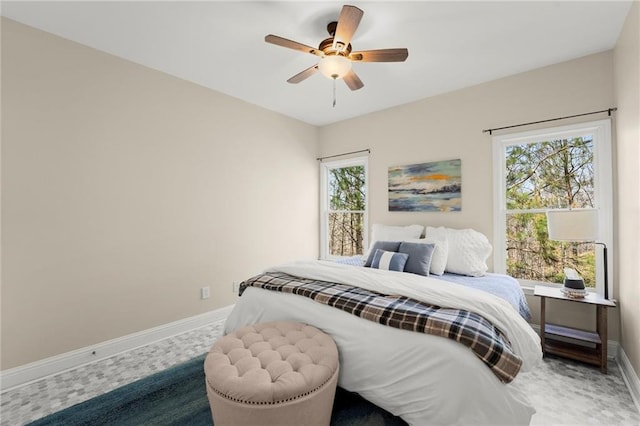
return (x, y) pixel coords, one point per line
(630, 377)
(27, 373)
(613, 347)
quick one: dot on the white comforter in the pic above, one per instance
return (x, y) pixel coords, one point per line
(424, 379)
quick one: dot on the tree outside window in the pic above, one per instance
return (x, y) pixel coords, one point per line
(346, 211)
(343, 208)
(557, 173)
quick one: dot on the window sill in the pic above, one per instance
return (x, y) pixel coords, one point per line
(529, 285)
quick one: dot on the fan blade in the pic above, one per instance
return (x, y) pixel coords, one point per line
(303, 75)
(348, 22)
(284, 42)
(353, 81)
(382, 55)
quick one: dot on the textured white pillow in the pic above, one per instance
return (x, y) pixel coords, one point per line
(468, 250)
(440, 253)
(394, 233)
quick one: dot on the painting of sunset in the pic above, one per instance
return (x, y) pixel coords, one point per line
(426, 187)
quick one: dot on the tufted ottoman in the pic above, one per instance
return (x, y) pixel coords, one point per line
(276, 373)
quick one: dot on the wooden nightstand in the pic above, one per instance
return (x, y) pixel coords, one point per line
(596, 353)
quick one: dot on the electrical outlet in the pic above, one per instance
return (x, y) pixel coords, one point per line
(204, 292)
(235, 287)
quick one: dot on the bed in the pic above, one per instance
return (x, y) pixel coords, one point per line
(423, 378)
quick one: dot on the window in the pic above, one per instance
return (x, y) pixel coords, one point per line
(557, 168)
(343, 207)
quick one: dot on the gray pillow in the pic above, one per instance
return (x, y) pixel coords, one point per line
(389, 260)
(381, 245)
(419, 257)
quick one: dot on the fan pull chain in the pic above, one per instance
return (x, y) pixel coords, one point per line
(334, 92)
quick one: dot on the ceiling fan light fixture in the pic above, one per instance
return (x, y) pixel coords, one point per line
(335, 52)
(334, 66)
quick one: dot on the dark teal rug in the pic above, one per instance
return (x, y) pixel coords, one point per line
(177, 396)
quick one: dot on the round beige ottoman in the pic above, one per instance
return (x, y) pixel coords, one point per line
(276, 373)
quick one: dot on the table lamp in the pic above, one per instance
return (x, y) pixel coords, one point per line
(579, 225)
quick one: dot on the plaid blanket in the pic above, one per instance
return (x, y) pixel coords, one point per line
(472, 330)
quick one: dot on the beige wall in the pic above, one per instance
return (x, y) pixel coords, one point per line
(627, 91)
(125, 190)
(450, 126)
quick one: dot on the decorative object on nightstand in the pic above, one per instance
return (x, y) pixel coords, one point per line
(579, 225)
(589, 346)
(573, 284)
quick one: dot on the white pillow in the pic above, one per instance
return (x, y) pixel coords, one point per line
(468, 250)
(394, 233)
(440, 253)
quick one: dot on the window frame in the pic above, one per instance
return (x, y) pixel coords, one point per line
(325, 166)
(603, 191)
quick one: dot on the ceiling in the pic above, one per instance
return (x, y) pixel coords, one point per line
(220, 45)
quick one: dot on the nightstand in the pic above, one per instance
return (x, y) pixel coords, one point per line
(596, 350)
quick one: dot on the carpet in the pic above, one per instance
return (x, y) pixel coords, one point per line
(177, 396)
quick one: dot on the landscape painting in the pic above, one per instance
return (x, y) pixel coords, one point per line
(426, 187)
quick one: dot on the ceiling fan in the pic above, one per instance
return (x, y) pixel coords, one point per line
(335, 52)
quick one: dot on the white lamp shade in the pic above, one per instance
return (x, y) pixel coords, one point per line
(334, 66)
(573, 225)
